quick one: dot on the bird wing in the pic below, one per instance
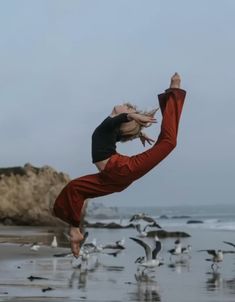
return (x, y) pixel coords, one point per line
(147, 226)
(114, 254)
(157, 249)
(155, 224)
(134, 217)
(210, 252)
(84, 239)
(110, 246)
(88, 245)
(138, 228)
(230, 243)
(148, 219)
(228, 252)
(147, 248)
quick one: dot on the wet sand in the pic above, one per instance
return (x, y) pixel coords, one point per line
(109, 278)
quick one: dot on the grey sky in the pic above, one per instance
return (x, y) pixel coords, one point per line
(64, 64)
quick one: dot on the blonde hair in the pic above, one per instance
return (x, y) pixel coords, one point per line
(132, 130)
(131, 133)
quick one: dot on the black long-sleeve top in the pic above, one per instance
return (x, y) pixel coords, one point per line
(105, 137)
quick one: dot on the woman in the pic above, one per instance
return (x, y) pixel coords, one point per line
(116, 171)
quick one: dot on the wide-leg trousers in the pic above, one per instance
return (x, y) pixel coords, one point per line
(120, 171)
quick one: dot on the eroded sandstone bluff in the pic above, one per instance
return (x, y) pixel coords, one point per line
(26, 192)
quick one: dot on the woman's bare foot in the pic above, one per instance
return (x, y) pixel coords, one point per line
(175, 81)
(75, 238)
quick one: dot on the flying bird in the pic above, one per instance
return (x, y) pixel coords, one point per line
(151, 253)
(217, 257)
(144, 217)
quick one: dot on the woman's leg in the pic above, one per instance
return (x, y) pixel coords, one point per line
(171, 104)
(70, 204)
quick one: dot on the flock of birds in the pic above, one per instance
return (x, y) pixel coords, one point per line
(151, 245)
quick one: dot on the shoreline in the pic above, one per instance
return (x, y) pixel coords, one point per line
(107, 276)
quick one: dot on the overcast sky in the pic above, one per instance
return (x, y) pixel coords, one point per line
(65, 63)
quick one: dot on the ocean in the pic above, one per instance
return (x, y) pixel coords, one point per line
(213, 217)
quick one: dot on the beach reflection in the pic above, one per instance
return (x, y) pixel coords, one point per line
(230, 285)
(216, 282)
(146, 288)
(180, 266)
(80, 275)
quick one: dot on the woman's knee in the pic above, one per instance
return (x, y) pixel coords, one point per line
(172, 144)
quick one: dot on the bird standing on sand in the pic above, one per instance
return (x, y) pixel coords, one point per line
(119, 244)
(54, 242)
(151, 253)
(186, 249)
(92, 247)
(35, 247)
(177, 250)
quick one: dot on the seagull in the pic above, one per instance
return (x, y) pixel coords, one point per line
(120, 243)
(142, 233)
(144, 217)
(85, 235)
(117, 245)
(177, 250)
(114, 254)
(35, 247)
(186, 249)
(151, 259)
(92, 247)
(230, 243)
(217, 257)
(140, 259)
(78, 262)
(54, 242)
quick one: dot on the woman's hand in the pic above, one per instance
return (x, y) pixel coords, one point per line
(144, 138)
(143, 120)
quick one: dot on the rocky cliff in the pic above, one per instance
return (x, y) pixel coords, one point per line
(26, 192)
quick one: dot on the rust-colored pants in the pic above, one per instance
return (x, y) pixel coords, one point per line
(121, 171)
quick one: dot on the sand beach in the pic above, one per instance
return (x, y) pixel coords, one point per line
(27, 275)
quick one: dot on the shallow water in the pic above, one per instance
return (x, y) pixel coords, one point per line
(108, 278)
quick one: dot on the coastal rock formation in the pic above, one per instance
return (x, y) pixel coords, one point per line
(194, 221)
(109, 225)
(26, 192)
(168, 234)
(159, 233)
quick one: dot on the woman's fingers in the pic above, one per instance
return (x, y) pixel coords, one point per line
(75, 247)
(153, 112)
